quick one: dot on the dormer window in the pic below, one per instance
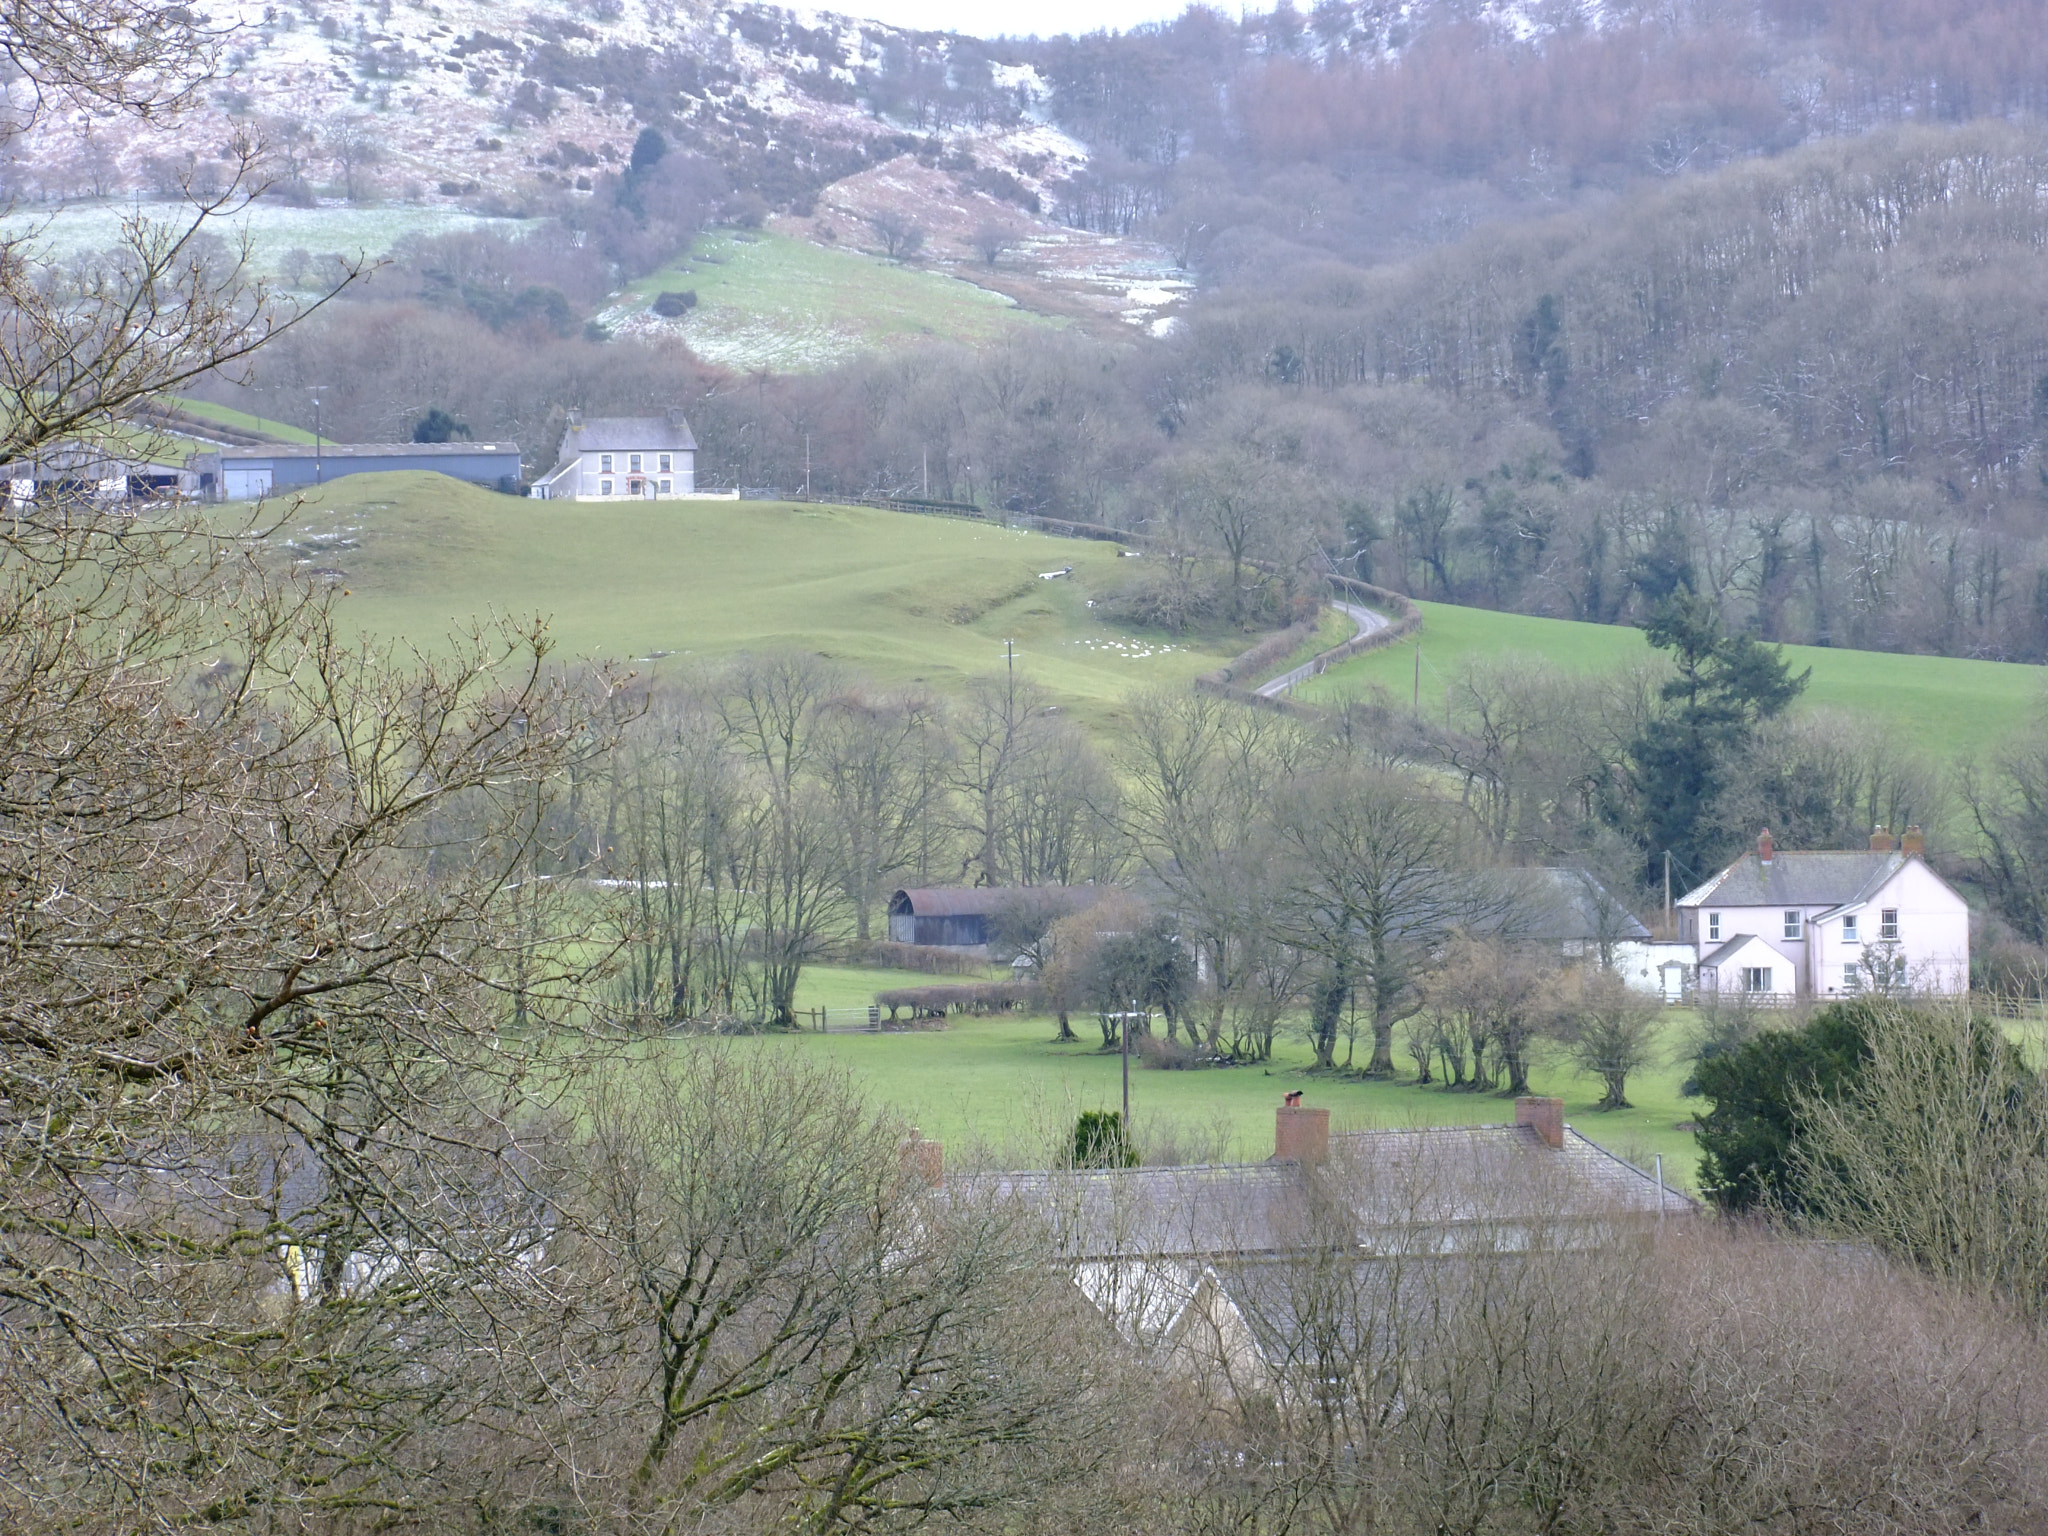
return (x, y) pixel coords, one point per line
(1849, 933)
(604, 463)
(1713, 925)
(1792, 924)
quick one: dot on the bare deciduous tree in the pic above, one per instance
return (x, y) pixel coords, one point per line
(1607, 1028)
(992, 242)
(790, 1322)
(902, 236)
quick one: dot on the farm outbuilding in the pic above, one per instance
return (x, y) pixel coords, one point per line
(964, 916)
(245, 473)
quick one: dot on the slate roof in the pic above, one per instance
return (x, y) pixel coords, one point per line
(1380, 1186)
(362, 450)
(1818, 879)
(1150, 1213)
(1491, 1174)
(627, 434)
(1567, 904)
(1741, 941)
(980, 900)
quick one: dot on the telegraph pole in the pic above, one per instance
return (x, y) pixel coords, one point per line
(1125, 1032)
(319, 475)
(1667, 893)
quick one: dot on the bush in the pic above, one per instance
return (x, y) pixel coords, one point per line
(673, 304)
(1166, 1055)
(1748, 1139)
(1099, 1141)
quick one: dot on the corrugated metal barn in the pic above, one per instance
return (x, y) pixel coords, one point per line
(243, 474)
(963, 916)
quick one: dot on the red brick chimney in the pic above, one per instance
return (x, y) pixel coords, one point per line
(1300, 1134)
(1914, 843)
(923, 1162)
(1545, 1116)
(1763, 845)
(1881, 840)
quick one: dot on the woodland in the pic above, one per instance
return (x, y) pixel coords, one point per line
(1738, 297)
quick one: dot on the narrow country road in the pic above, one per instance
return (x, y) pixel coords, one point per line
(1366, 619)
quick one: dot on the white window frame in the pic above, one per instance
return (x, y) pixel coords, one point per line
(1888, 923)
(604, 463)
(667, 466)
(1714, 925)
(604, 487)
(1849, 933)
(1758, 978)
(666, 487)
(1792, 922)
(1852, 976)
(633, 463)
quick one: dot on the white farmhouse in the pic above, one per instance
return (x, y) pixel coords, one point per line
(1779, 926)
(623, 458)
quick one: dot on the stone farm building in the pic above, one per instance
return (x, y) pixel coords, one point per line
(623, 458)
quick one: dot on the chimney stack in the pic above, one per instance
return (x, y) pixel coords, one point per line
(1300, 1134)
(575, 420)
(1914, 843)
(923, 1162)
(1545, 1117)
(1881, 839)
(1763, 846)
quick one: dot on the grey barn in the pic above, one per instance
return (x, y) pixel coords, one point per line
(243, 474)
(963, 916)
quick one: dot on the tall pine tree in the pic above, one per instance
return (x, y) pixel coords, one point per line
(1726, 684)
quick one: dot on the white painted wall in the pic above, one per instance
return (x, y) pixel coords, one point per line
(1727, 976)
(1933, 941)
(590, 475)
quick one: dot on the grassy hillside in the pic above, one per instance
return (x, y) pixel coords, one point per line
(900, 596)
(272, 228)
(1953, 706)
(228, 416)
(767, 300)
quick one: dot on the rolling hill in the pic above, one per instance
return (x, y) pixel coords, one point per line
(1951, 706)
(900, 596)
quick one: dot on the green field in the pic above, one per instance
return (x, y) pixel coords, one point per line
(1950, 706)
(767, 300)
(228, 416)
(272, 229)
(1001, 1086)
(899, 596)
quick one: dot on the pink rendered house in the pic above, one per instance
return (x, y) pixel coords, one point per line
(1776, 926)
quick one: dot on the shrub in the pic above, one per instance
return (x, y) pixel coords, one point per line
(673, 304)
(1099, 1141)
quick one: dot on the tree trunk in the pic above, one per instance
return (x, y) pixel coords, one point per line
(1326, 1010)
